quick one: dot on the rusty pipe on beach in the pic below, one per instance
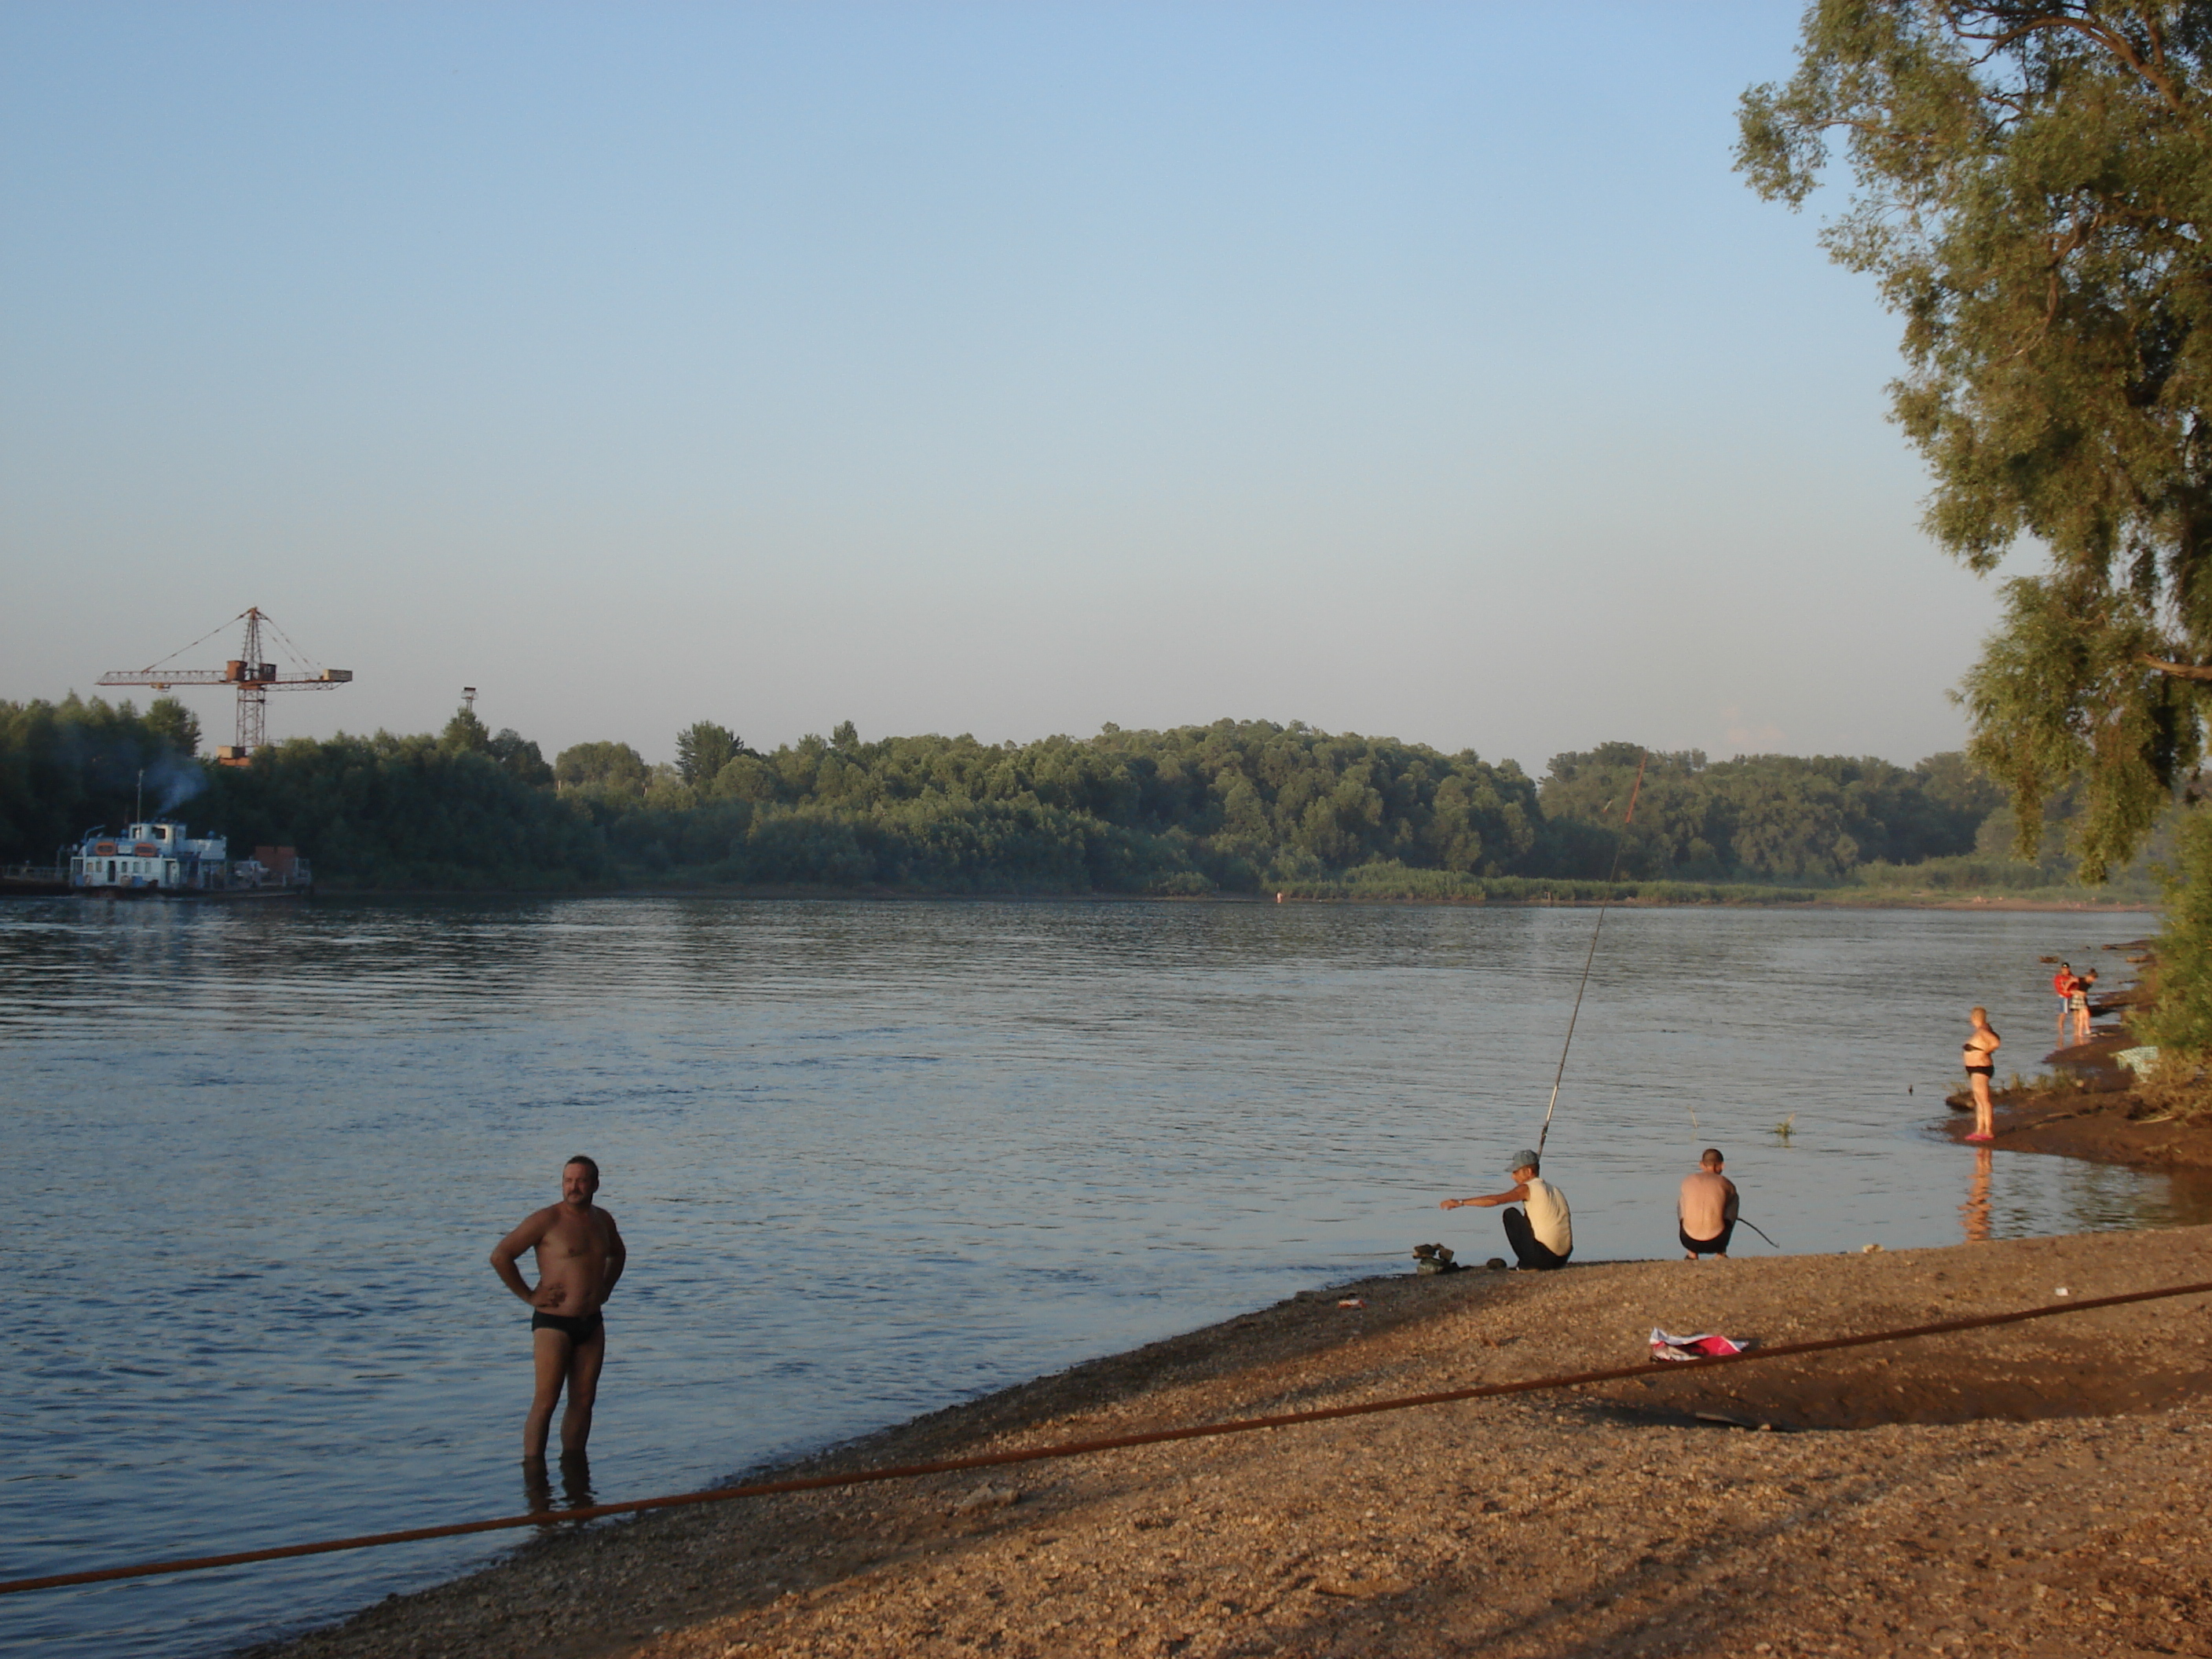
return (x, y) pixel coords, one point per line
(1079, 1448)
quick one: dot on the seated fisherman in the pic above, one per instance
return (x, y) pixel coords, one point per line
(1705, 1212)
(1543, 1237)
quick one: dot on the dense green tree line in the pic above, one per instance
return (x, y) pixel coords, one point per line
(465, 810)
(1235, 806)
(462, 810)
(1762, 818)
(1231, 805)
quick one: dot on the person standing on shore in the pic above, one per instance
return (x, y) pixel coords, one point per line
(1705, 1214)
(580, 1256)
(1979, 1059)
(1543, 1234)
(2062, 983)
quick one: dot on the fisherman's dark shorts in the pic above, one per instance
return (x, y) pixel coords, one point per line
(1538, 1257)
(1706, 1246)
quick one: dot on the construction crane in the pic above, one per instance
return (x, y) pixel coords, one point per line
(253, 678)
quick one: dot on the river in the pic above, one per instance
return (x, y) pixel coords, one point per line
(870, 1159)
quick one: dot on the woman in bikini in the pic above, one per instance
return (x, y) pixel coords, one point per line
(1979, 1059)
(2077, 1002)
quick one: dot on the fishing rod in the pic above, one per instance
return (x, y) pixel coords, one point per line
(1756, 1228)
(1619, 843)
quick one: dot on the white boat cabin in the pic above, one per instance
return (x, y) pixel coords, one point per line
(158, 855)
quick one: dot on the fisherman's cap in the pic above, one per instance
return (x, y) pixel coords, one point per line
(1523, 1159)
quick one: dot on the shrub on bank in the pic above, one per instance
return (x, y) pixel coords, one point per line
(2180, 1021)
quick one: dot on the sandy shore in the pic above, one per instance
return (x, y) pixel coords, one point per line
(2035, 1489)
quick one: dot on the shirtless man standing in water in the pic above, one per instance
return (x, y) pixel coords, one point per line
(580, 1257)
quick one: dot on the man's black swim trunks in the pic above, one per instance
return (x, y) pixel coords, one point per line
(576, 1330)
(1706, 1246)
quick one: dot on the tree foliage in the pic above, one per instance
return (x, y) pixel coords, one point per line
(175, 725)
(615, 766)
(2182, 1019)
(518, 755)
(1763, 818)
(703, 749)
(466, 733)
(69, 766)
(414, 812)
(2033, 191)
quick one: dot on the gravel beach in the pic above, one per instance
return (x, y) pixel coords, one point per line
(2032, 1489)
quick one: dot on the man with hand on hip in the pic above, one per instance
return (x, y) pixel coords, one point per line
(580, 1257)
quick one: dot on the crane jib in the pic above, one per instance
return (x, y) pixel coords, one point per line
(253, 675)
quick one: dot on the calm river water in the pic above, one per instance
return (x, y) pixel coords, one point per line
(871, 1158)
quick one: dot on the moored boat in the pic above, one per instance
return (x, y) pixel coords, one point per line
(158, 859)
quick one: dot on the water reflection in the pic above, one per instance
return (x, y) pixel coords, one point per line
(1976, 1209)
(575, 1486)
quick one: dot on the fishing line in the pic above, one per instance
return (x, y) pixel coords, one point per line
(1620, 841)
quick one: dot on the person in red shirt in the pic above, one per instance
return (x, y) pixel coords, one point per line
(2063, 983)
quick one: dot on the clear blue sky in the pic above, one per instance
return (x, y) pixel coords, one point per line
(1420, 370)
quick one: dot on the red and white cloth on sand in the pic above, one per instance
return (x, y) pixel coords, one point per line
(1703, 1346)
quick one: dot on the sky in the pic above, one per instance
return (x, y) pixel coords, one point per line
(1419, 371)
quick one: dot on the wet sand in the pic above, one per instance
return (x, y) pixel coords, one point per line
(2031, 1489)
(2110, 1128)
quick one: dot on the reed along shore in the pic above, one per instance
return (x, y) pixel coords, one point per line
(2035, 1488)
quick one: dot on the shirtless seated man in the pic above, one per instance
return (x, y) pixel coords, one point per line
(1705, 1214)
(580, 1258)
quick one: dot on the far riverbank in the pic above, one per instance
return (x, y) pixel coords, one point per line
(1567, 895)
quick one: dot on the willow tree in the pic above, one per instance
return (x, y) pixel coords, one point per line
(2032, 187)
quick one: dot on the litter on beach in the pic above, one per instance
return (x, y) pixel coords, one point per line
(1705, 1345)
(1352, 1302)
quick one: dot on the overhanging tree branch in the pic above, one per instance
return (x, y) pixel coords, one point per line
(2100, 35)
(2199, 671)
